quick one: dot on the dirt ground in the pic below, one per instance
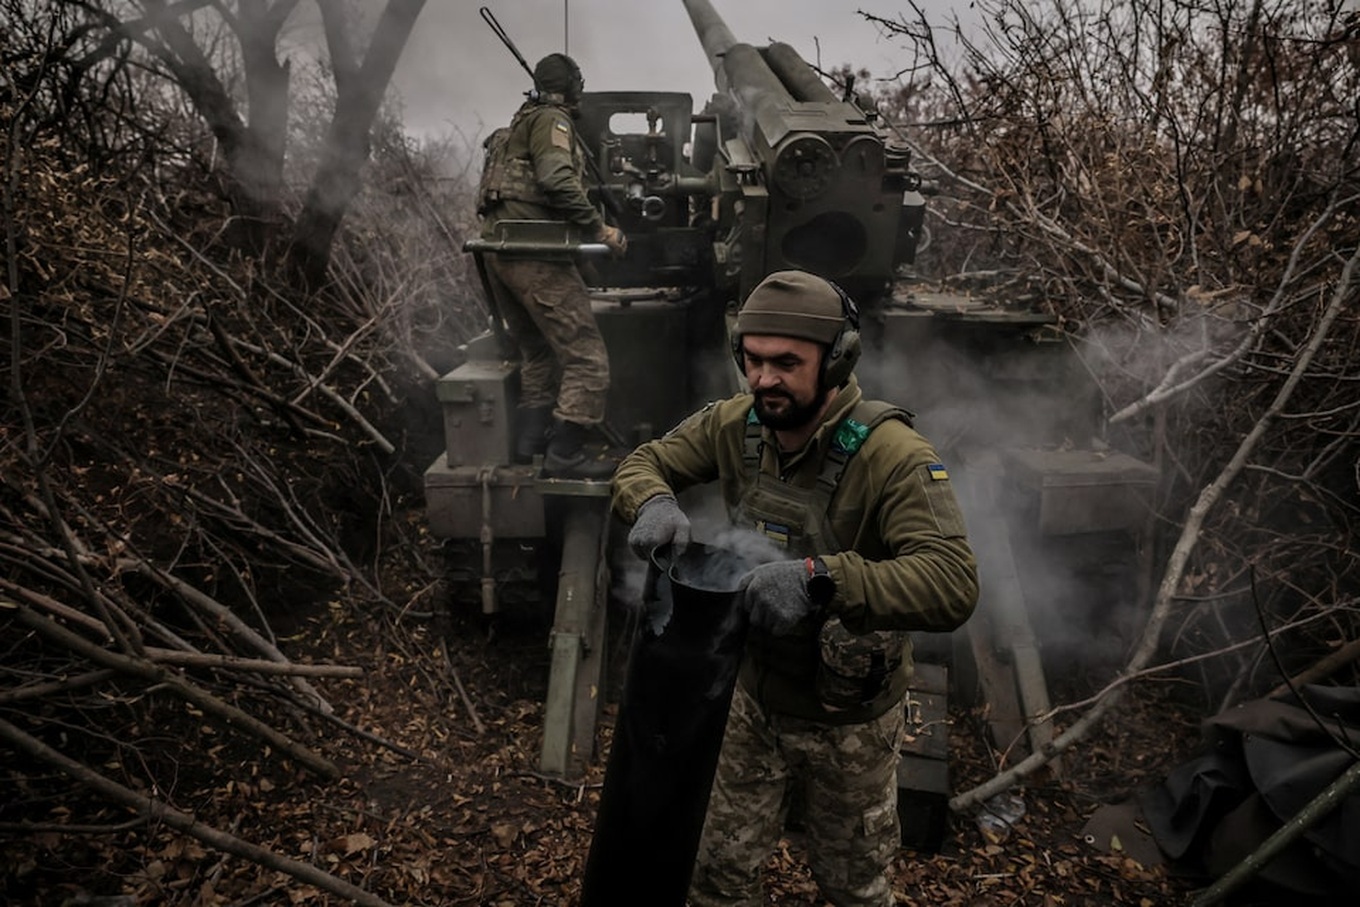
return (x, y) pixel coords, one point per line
(442, 802)
(475, 823)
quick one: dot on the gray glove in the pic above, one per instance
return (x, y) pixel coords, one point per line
(776, 596)
(659, 520)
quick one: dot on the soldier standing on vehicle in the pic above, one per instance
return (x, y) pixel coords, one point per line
(534, 170)
(877, 548)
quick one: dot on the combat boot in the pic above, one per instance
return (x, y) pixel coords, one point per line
(531, 431)
(567, 457)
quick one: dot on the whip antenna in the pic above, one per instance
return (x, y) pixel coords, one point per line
(490, 19)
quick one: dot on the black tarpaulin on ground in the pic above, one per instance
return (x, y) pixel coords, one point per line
(1264, 761)
(681, 673)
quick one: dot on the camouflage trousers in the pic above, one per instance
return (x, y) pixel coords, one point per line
(547, 313)
(848, 778)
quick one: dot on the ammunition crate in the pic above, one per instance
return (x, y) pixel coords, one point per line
(478, 399)
(456, 501)
(1079, 491)
(923, 771)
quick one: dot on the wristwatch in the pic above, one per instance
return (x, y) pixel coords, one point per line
(821, 588)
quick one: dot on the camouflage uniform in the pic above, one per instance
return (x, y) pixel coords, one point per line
(850, 776)
(534, 171)
(562, 355)
(894, 541)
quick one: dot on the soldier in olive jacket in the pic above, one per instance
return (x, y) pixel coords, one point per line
(534, 170)
(877, 548)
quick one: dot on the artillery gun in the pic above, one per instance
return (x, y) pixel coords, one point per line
(777, 172)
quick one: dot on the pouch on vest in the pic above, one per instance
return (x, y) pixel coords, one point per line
(855, 667)
(493, 169)
(505, 177)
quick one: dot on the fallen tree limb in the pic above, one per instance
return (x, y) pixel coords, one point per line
(367, 735)
(160, 675)
(60, 609)
(1320, 669)
(184, 822)
(65, 685)
(239, 628)
(462, 691)
(29, 828)
(157, 655)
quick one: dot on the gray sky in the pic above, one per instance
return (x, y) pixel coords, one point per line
(456, 76)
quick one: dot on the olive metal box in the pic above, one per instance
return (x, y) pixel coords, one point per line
(1079, 491)
(923, 772)
(478, 399)
(460, 501)
(472, 487)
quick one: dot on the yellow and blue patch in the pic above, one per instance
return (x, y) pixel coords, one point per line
(561, 134)
(773, 531)
(938, 472)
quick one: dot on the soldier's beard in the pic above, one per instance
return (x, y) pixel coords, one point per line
(792, 415)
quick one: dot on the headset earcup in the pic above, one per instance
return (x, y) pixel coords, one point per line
(841, 359)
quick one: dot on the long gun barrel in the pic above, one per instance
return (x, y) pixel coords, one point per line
(713, 34)
(749, 70)
(820, 186)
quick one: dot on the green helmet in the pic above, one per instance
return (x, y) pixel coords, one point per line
(559, 74)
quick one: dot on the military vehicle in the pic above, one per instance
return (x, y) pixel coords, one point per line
(777, 171)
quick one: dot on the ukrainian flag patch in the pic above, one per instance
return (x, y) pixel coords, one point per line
(938, 472)
(560, 137)
(773, 531)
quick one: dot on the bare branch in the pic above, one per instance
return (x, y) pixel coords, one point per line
(160, 811)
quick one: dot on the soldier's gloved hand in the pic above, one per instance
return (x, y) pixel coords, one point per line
(659, 520)
(613, 238)
(776, 596)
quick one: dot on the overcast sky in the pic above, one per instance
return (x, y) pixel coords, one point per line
(455, 75)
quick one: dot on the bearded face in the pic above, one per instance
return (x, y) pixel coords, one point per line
(784, 374)
(782, 411)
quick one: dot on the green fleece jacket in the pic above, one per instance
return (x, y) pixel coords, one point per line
(906, 562)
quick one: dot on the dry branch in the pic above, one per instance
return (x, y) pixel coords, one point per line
(183, 822)
(255, 665)
(155, 674)
(238, 627)
(65, 685)
(1321, 669)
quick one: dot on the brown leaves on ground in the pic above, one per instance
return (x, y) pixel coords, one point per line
(473, 822)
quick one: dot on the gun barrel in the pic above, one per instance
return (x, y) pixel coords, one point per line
(713, 32)
(738, 68)
(820, 186)
(797, 75)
